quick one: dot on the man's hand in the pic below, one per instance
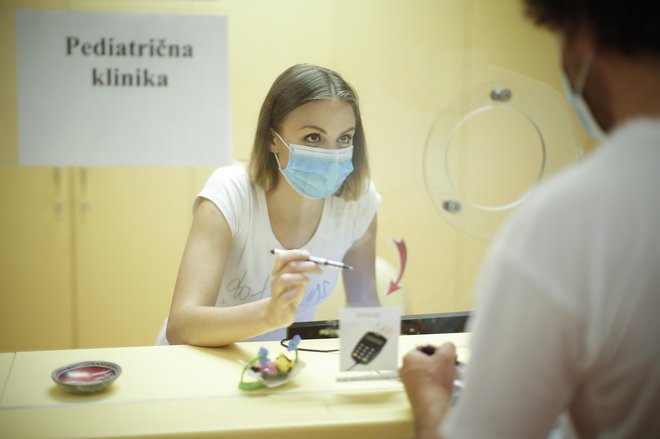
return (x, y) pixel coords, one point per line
(428, 380)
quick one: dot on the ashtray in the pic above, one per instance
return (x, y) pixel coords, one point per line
(86, 377)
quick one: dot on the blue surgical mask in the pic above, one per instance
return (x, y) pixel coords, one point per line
(576, 100)
(316, 172)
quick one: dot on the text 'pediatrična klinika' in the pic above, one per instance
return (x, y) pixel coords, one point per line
(138, 77)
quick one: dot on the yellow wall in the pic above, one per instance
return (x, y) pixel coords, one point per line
(111, 253)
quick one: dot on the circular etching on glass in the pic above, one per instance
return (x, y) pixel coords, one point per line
(484, 154)
(488, 151)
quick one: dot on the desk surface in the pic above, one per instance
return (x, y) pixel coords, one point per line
(185, 391)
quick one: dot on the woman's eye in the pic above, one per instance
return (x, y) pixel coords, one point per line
(313, 138)
(346, 138)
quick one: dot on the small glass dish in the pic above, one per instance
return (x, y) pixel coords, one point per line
(86, 377)
(271, 373)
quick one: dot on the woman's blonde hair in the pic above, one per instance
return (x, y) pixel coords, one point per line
(297, 86)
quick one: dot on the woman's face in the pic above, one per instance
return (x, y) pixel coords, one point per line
(327, 123)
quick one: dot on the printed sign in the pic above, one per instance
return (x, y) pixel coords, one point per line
(122, 89)
(369, 339)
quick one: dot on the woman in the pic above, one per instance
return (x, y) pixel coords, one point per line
(307, 187)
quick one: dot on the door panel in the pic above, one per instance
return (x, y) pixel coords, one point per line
(36, 302)
(131, 224)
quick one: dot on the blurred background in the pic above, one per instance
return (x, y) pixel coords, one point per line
(89, 255)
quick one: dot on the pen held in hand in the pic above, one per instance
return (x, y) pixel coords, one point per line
(319, 261)
(430, 350)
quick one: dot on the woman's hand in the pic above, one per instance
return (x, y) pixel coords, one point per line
(288, 284)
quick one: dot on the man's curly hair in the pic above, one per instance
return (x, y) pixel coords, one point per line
(629, 27)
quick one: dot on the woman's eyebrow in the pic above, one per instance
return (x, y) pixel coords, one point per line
(317, 128)
(314, 127)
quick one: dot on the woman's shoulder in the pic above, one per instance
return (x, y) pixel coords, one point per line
(371, 189)
(370, 194)
(230, 189)
(232, 175)
(233, 171)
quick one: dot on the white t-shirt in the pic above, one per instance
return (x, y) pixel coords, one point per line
(568, 305)
(250, 262)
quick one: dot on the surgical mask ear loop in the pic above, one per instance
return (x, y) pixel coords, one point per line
(584, 73)
(275, 154)
(577, 101)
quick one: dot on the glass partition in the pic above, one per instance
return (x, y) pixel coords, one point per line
(463, 113)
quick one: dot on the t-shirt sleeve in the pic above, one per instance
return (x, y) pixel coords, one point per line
(366, 209)
(228, 188)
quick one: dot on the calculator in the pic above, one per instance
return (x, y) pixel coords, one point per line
(368, 347)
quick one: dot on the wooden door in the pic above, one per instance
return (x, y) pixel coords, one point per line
(37, 302)
(131, 227)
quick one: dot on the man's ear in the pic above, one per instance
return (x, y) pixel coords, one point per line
(581, 42)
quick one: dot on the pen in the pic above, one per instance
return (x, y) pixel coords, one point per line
(430, 350)
(319, 261)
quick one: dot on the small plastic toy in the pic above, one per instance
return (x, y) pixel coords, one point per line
(271, 373)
